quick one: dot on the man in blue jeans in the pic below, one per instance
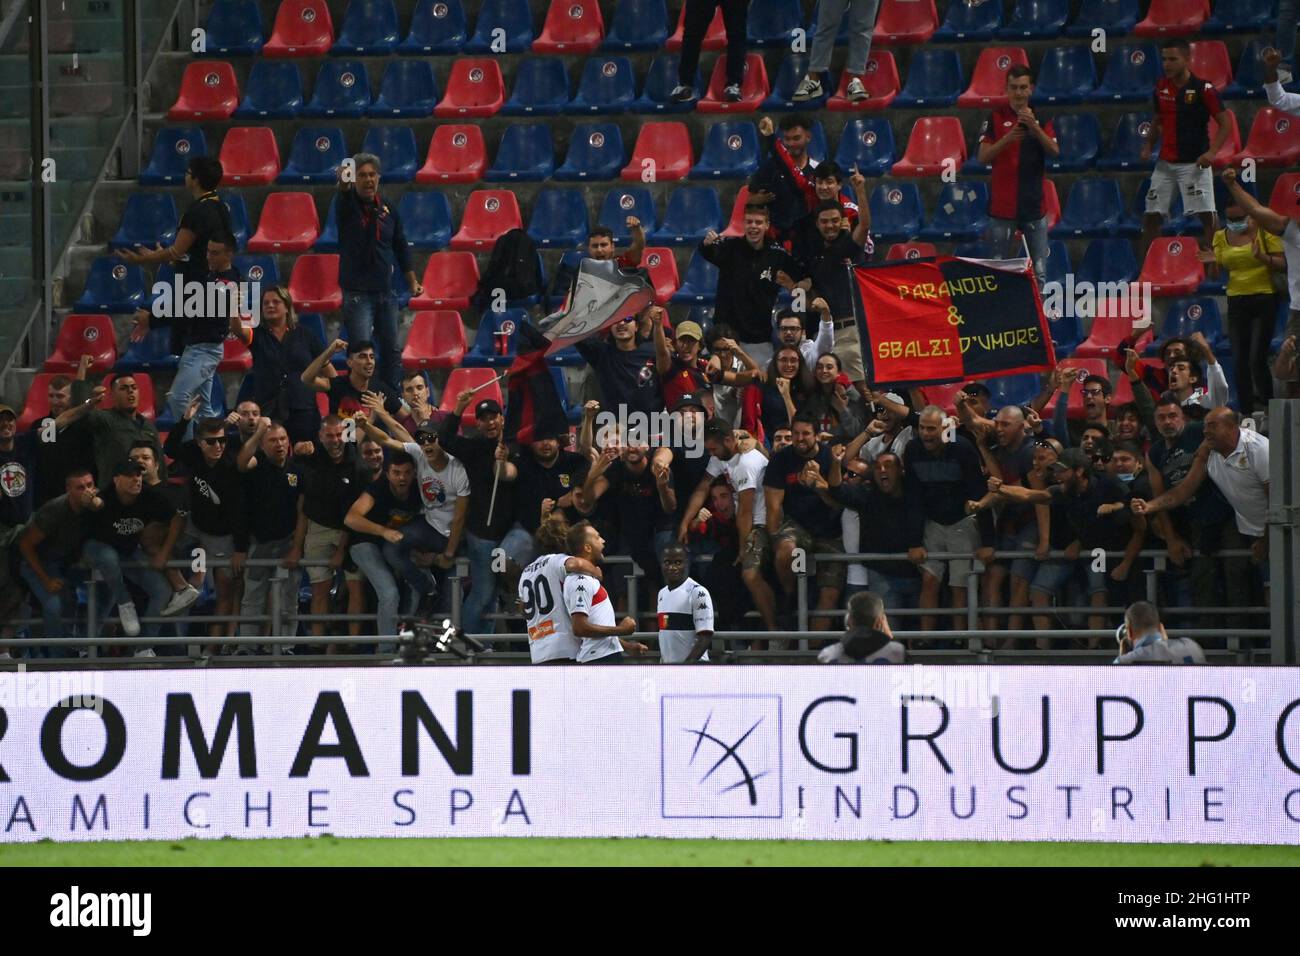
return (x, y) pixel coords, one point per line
(372, 248)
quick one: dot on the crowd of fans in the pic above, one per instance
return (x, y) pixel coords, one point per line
(781, 448)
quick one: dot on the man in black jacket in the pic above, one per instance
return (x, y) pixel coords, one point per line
(372, 249)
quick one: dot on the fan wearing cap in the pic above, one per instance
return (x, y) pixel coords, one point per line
(681, 369)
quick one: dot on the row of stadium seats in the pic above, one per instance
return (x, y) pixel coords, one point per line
(372, 27)
(475, 87)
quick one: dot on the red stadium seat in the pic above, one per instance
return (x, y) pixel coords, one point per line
(753, 89)
(235, 355)
(572, 27)
(314, 284)
(942, 395)
(450, 279)
(80, 335)
(456, 155)
(209, 91)
(148, 402)
(475, 88)
(1122, 394)
(37, 404)
(668, 145)
(1231, 146)
(1171, 266)
(911, 250)
(715, 38)
(302, 28)
(1173, 18)
(905, 22)
(988, 84)
(881, 80)
(933, 139)
(463, 378)
(1211, 63)
(288, 223)
(1285, 198)
(736, 225)
(250, 156)
(1108, 330)
(660, 262)
(488, 214)
(1274, 139)
(436, 340)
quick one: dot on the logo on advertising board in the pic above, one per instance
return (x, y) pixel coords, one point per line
(720, 756)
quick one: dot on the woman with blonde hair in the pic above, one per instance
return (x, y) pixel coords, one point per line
(282, 349)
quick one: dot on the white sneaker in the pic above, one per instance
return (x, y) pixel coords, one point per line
(809, 88)
(144, 652)
(856, 91)
(129, 619)
(181, 600)
(682, 93)
(1284, 75)
(5, 656)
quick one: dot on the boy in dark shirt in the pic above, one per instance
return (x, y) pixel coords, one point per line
(345, 391)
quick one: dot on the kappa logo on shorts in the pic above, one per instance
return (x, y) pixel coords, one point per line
(720, 756)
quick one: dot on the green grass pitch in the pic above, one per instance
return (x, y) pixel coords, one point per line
(332, 851)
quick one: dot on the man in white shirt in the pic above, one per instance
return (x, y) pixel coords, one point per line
(868, 638)
(591, 612)
(1278, 98)
(541, 594)
(791, 333)
(685, 612)
(1142, 640)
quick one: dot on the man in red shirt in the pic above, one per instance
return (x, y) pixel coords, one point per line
(1184, 105)
(1017, 144)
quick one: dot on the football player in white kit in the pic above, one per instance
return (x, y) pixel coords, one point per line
(1142, 640)
(541, 594)
(591, 612)
(685, 612)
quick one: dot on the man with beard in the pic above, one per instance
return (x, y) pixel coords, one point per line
(541, 594)
(791, 332)
(591, 612)
(685, 611)
(624, 366)
(117, 428)
(643, 498)
(61, 449)
(868, 638)
(826, 263)
(780, 184)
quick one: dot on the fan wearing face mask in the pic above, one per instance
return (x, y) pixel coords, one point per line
(1251, 257)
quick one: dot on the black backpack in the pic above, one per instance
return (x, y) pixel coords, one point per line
(514, 267)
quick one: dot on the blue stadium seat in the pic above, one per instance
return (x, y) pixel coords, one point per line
(173, 146)
(960, 213)
(511, 16)
(259, 268)
(868, 144)
(608, 85)
(315, 154)
(559, 219)
(637, 25)
(1248, 81)
(660, 78)
(1067, 75)
(1241, 16)
(395, 147)
(151, 354)
(700, 284)
(1036, 20)
(342, 89)
(793, 68)
(1108, 260)
(1279, 327)
(970, 21)
(273, 90)
(771, 22)
(328, 240)
(730, 151)
(1014, 389)
(934, 78)
(979, 249)
(541, 88)
(1175, 223)
(692, 211)
(1058, 261)
(369, 28)
(1125, 148)
(1185, 316)
(238, 216)
(1080, 140)
(895, 211)
(595, 152)
(483, 352)
(1094, 208)
(112, 286)
(627, 201)
(408, 88)
(1116, 17)
(1132, 70)
(149, 219)
(702, 315)
(426, 219)
(817, 146)
(437, 26)
(525, 155)
(234, 28)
